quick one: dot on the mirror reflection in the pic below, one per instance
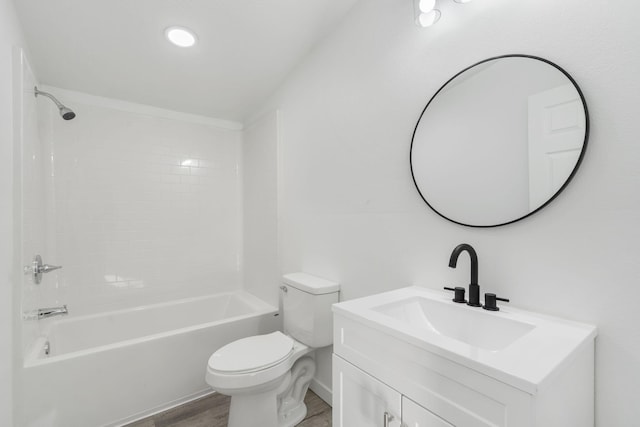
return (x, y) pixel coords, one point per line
(499, 141)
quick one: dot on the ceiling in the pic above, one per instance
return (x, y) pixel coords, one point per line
(117, 48)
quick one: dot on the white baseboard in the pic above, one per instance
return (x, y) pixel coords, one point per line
(321, 390)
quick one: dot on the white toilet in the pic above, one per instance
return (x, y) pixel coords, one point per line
(267, 376)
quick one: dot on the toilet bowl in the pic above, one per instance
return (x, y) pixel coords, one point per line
(267, 376)
(259, 373)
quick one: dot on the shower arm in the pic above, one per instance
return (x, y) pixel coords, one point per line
(48, 95)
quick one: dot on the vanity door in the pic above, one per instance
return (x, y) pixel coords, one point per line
(360, 400)
(414, 415)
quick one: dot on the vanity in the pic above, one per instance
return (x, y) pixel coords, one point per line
(412, 357)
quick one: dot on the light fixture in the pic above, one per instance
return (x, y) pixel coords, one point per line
(426, 12)
(428, 19)
(426, 6)
(180, 36)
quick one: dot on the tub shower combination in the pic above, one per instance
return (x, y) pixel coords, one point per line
(115, 367)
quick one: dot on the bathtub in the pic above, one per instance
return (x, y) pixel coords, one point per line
(115, 367)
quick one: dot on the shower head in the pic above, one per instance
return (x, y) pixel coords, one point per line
(65, 112)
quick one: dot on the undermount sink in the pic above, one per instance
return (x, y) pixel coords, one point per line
(475, 327)
(518, 347)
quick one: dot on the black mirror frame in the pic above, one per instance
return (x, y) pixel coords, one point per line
(573, 172)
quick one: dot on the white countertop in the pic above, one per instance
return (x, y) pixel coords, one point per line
(547, 344)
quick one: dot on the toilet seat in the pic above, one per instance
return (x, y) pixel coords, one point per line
(266, 358)
(252, 354)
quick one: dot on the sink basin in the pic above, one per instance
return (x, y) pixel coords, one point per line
(518, 347)
(475, 327)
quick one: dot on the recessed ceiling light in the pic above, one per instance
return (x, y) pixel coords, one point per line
(180, 36)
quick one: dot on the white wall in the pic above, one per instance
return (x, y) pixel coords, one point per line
(350, 211)
(146, 204)
(10, 36)
(261, 268)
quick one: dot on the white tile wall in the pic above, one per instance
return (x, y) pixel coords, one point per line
(145, 208)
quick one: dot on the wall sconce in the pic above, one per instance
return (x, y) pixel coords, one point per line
(427, 13)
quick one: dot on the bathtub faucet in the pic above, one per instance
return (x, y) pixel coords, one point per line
(43, 313)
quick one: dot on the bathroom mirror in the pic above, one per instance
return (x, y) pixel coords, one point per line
(499, 140)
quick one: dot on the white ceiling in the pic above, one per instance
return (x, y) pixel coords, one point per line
(117, 49)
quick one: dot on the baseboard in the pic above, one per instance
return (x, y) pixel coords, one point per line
(321, 390)
(141, 415)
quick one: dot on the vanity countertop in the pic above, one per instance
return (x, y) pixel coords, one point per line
(518, 347)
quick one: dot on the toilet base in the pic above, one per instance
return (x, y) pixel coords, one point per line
(294, 417)
(254, 410)
(291, 406)
(280, 403)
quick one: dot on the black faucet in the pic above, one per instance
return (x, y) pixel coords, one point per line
(474, 288)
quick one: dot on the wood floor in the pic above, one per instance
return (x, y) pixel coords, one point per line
(213, 411)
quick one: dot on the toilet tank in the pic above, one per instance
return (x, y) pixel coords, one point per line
(306, 303)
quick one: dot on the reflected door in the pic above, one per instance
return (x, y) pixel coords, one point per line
(556, 135)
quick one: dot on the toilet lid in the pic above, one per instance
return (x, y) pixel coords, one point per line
(252, 353)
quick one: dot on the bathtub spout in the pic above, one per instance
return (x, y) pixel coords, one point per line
(43, 313)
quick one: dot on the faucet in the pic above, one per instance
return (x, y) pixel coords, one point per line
(474, 288)
(43, 313)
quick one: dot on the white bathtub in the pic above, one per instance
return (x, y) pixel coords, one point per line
(115, 367)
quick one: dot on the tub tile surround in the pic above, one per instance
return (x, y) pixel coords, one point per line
(146, 208)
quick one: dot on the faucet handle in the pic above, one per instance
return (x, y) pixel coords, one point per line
(46, 268)
(458, 295)
(490, 302)
(38, 268)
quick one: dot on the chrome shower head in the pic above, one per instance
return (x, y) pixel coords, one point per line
(65, 112)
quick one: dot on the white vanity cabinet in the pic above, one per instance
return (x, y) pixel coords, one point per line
(379, 368)
(363, 401)
(414, 415)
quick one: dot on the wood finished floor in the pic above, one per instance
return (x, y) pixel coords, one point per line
(213, 411)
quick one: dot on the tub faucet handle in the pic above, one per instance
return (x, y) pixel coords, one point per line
(37, 269)
(46, 268)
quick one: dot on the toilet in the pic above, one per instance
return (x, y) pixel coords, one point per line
(267, 376)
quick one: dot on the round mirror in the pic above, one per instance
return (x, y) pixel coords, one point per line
(499, 140)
